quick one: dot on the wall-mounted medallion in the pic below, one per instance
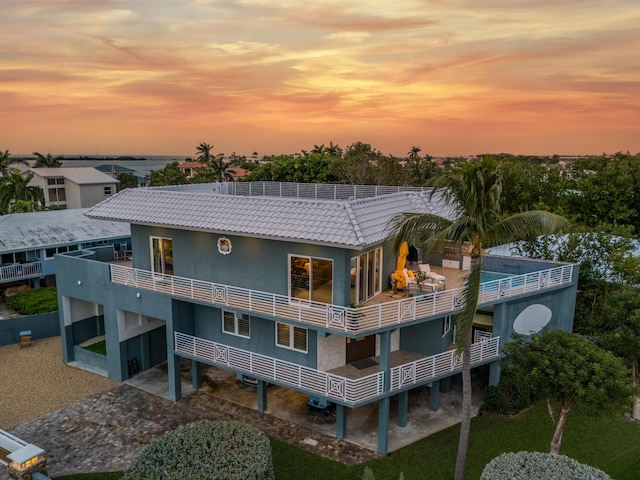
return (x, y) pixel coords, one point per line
(224, 245)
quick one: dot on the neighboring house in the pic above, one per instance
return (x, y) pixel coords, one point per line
(237, 173)
(78, 187)
(289, 284)
(190, 168)
(29, 242)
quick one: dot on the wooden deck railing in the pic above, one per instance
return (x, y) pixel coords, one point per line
(337, 318)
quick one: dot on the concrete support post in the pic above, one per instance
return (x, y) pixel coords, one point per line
(341, 422)
(196, 374)
(494, 373)
(403, 408)
(383, 425)
(445, 385)
(262, 396)
(175, 380)
(434, 396)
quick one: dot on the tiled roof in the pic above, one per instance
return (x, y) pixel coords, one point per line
(351, 223)
(25, 231)
(79, 175)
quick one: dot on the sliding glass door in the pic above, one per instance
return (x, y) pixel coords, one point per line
(162, 255)
(366, 276)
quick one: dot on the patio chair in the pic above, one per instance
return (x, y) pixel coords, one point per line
(425, 269)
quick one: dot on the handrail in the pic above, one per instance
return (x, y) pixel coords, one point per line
(351, 320)
(428, 368)
(20, 270)
(345, 390)
(341, 389)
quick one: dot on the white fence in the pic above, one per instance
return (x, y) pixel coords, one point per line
(335, 317)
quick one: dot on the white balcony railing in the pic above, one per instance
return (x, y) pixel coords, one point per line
(336, 317)
(20, 270)
(440, 365)
(345, 390)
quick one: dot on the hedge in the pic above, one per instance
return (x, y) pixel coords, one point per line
(206, 451)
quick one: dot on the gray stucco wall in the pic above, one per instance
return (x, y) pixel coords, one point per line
(257, 264)
(44, 325)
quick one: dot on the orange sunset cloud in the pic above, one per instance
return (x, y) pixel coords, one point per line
(157, 77)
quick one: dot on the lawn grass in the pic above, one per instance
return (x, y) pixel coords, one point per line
(98, 347)
(609, 443)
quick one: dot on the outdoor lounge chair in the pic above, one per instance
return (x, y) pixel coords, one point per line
(433, 276)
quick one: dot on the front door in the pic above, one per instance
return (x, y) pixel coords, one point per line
(359, 348)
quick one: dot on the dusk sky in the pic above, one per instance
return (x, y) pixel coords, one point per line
(453, 77)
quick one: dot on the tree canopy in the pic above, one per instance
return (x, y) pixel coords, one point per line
(570, 371)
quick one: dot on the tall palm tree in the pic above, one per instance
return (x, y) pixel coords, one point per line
(47, 161)
(204, 153)
(15, 187)
(6, 161)
(473, 190)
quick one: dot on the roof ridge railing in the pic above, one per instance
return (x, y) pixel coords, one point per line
(319, 191)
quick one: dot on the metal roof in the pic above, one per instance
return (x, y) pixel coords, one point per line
(348, 223)
(26, 231)
(79, 175)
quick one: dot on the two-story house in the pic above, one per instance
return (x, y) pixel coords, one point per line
(77, 187)
(290, 284)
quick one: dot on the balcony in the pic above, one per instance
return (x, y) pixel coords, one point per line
(20, 271)
(339, 319)
(350, 390)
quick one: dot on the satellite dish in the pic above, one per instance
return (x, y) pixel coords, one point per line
(532, 319)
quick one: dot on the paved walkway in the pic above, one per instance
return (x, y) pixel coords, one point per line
(106, 432)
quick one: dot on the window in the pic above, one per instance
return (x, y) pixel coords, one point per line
(162, 255)
(446, 325)
(50, 252)
(235, 326)
(108, 190)
(57, 195)
(290, 336)
(311, 278)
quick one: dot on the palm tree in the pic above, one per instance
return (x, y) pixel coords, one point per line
(220, 169)
(47, 161)
(473, 190)
(6, 161)
(15, 188)
(204, 153)
(414, 153)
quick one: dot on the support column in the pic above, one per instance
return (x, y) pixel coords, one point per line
(434, 396)
(383, 425)
(445, 385)
(341, 422)
(175, 379)
(196, 374)
(403, 408)
(494, 373)
(262, 396)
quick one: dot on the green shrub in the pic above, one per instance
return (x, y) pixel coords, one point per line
(512, 394)
(206, 450)
(537, 465)
(33, 302)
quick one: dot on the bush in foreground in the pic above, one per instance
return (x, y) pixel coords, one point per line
(537, 465)
(206, 451)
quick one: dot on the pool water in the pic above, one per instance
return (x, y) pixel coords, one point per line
(492, 276)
